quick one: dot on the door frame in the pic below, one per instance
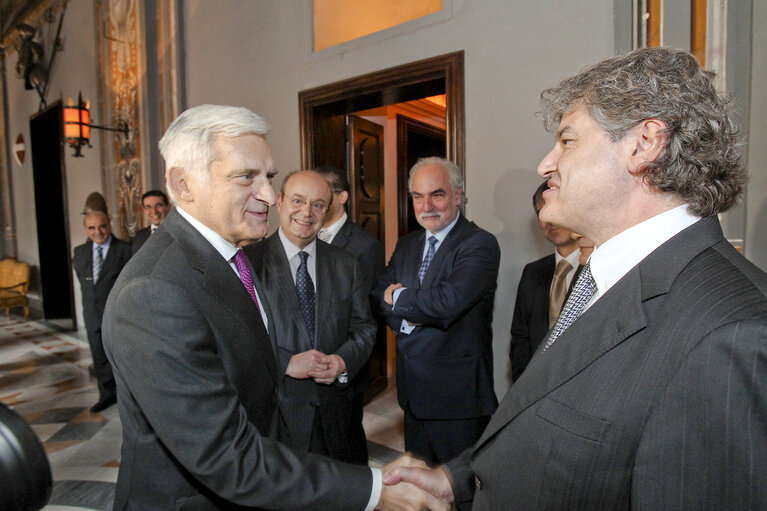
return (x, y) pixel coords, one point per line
(386, 87)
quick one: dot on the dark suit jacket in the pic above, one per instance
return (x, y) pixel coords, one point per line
(368, 251)
(655, 398)
(531, 312)
(140, 238)
(344, 326)
(95, 295)
(197, 386)
(445, 366)
(370, 254)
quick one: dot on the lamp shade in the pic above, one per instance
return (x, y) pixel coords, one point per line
(77, 128)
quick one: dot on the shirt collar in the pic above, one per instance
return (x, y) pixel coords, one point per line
(291, 250)
(104, 245)
(572, 258)
(618, 255)
(222, 246)
(333, 229)
(442, 234)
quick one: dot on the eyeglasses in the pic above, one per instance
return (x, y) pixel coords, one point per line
(317, 205)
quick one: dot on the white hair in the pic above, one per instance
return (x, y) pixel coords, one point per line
(453, 171)
(188, 141)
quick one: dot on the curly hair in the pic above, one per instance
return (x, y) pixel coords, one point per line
(699, 163)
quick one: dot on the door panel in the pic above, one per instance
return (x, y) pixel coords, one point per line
(366, 209)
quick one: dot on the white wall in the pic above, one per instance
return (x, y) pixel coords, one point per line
(261, 58)
(74, 70)
(756, 198)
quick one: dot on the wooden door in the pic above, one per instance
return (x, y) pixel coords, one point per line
(366, 209)
(366, 175)
(415, 139)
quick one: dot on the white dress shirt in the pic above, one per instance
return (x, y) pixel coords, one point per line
(618, 255)
(328, 232)
(291, 251)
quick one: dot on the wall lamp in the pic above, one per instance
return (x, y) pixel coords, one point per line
(77, 125)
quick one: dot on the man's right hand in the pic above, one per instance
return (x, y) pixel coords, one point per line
(434, 481)
(301, 364)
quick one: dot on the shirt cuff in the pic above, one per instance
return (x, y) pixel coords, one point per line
(375, 491)
(406, 327)
(395, 295)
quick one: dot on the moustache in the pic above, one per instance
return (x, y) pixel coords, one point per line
(431, 214)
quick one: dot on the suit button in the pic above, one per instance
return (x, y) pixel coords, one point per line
(477, 483)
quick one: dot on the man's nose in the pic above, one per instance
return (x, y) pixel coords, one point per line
(265, 193)
(548, 163)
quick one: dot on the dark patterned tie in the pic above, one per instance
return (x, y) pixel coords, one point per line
(582, 292)
(247, 279)
(305, 291)
(98, 263)
(427, 260)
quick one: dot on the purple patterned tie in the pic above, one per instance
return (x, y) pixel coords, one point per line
(247, 279)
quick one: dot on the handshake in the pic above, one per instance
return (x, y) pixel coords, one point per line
(409, 484)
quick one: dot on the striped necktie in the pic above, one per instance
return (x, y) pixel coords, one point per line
(582, 292)
(98, 263)
(427, 260)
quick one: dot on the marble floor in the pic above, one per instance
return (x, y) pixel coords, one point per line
(47, 378)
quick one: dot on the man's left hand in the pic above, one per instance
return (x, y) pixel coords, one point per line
(389, 292)
(335, 366)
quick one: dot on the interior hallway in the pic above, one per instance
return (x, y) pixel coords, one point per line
(45, 376)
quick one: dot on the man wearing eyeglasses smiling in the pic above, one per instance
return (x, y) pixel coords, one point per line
(322, 326)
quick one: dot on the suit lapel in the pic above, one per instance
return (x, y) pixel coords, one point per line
(220, 280)
(615, 317)
(446, 247)
(325, 303)
(88, 267)
(285, 288)
(414, 258)
(342, 236)
(590, 337)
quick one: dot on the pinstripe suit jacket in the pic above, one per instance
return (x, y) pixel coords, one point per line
(655, 398)
(344, 326)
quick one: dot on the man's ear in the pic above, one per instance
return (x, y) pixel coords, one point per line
(342, 197)
(650, 141)
(177, 182)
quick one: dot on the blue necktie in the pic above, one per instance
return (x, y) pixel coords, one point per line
(305, 291)
(582, 292)
(427, 260)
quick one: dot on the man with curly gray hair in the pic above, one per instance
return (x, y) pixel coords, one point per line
(650, 391)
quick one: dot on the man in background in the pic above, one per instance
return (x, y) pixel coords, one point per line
(437, 294)
(541, 291)
(650, 392)
(155, 205)
(97, 263)
(322, 326)
(341, 232)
